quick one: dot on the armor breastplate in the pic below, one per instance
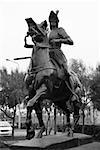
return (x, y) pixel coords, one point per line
(54, 35)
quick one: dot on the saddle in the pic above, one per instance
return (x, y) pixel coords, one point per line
(59, 68)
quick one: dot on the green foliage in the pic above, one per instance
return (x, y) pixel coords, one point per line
(13, 88)
(80, 69)
(85, 77)
(89, 80)
(95, 88)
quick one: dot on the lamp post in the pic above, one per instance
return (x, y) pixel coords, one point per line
(19, 115)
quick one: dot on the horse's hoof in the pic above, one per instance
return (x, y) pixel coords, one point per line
(70, 133)
(50, 130)
(30, 134)
(29, 137)
(39, 135)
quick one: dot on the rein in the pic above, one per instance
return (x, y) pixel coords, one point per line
(36, 71)
(41, 68)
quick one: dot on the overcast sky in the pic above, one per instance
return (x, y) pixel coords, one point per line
(80, 19)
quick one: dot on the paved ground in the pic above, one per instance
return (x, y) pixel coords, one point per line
(90, 146)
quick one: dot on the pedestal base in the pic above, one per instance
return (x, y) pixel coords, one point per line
(55, 142)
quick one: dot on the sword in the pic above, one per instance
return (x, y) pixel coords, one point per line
(21, 58)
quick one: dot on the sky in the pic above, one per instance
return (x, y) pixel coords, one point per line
(80, 19)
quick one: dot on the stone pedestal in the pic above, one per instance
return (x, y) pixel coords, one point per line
(55, 142)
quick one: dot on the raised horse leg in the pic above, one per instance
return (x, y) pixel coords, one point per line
(35, 102)
(29, 128)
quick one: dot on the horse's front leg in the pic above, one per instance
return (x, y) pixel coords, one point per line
(38, 111)
(42, 91)
(39, 92)
(29, 127)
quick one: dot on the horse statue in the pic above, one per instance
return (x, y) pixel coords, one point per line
(47, 82)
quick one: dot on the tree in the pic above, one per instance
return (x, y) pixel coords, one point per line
(85, 77)
(83, 73)
(80, 69)
(12, 90)
(95, 88)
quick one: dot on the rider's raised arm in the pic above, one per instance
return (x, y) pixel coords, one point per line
(64, 37)
(28, 46)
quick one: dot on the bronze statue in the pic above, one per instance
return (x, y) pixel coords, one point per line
(48, 79)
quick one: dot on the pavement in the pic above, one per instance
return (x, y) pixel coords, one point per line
(19, 134)
(90, 146)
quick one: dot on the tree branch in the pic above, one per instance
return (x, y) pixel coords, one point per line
(6, 113)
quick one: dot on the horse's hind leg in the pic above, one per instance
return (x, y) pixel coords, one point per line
(62, 106)
(76, 115)
(70, 130)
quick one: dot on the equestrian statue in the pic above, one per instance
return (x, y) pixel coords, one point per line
(48, 76)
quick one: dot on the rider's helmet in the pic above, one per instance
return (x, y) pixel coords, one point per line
(53, 16)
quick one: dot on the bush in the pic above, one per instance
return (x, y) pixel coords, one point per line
(93, 130)
(97, 132)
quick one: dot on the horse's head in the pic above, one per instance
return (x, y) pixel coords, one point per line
(36, 31)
